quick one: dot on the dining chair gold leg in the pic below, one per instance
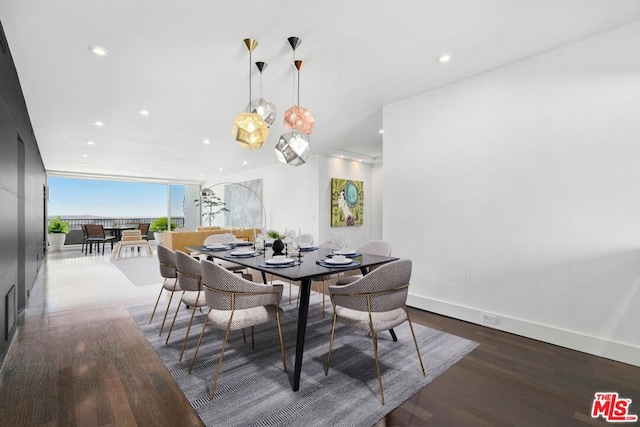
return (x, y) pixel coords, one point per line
(224, 344)
(333, 331)
(157, 301)
(289, 291)
(284, 358)
(186, 336)
(416, 343)
(253, 347)
(204, 327)
(375, 353)
(323, 297)
(166, 312)
(174, 321)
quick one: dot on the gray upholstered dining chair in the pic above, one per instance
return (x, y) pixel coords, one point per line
(305, 239)
(374, 303)
(236, 303)
(168, 271)
(189, 280)
(372, 247)
(333, 242)
(224, 238)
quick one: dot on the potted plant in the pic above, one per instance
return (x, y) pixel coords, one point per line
(159, 225)
(57, 233)
(211, 204)
(278, 245)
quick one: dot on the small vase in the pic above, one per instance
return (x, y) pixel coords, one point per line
(277, 247)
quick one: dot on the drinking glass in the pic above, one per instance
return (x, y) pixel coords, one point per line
(294, 248)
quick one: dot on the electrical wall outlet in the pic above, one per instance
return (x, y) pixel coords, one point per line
(489, 319)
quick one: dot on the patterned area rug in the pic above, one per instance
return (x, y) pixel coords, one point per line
(254, 390)
(141, 269)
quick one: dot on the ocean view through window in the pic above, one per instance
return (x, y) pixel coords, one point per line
(111, 202)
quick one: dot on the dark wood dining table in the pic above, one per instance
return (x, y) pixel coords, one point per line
(308, 269)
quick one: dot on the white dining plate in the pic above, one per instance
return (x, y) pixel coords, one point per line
(345, 252)
(276, 261)
(338, 261)
(216, 246)
(243, 252)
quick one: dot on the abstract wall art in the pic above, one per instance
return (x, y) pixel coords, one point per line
(244, 203)
(347, 204)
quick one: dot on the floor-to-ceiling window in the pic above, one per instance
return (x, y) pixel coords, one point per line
(81, 200)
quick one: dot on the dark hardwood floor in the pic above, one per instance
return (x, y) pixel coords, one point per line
(79, 359)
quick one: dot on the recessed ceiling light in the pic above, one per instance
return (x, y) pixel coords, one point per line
(90, 143)
(85, 155)
(98, 123)
(245, 162)
(98, 50)
(144, 112)
(381, 131)
(220, 170)
(81, 164)
(444, 58)
(342, 156)
(206, 141)
(149, 170)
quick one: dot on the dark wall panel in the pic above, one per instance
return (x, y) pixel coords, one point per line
(22, 177)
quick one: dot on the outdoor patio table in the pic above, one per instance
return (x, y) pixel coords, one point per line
(117, 229)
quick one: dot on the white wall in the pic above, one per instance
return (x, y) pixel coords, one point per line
(192, 217)
(331, 167)
(377, 183)
(289, 194)
(300, 197)
(517, 193)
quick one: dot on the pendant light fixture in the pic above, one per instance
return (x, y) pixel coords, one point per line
(250, 129)
(293, 147)
(297, 117)
(262, 106)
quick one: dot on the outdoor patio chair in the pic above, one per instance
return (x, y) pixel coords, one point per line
(96, 235)
(144, 229)
(85, 236)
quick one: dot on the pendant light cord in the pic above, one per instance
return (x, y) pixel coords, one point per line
(250, 64)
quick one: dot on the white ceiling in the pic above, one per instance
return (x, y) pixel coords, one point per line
(184, 62)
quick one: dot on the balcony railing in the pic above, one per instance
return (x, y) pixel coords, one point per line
(75, 225)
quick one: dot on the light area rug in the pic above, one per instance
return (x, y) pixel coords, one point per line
(141, 269)
(254, 390)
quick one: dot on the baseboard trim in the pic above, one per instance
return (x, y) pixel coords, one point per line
(620, 352)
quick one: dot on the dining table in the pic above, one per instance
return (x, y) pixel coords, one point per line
(309, 264)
